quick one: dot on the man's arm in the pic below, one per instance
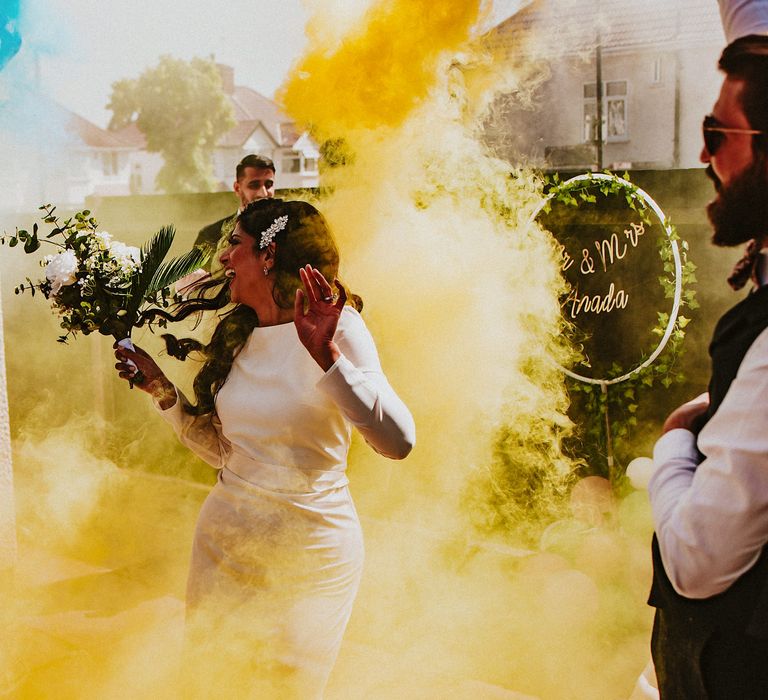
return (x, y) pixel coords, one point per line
(208, 236)
(712, 518)
(213, 238)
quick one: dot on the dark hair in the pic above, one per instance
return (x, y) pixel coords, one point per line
(747, 59)
(305, 239)
(253, 161)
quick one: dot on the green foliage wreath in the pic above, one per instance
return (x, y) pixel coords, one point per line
(607, 409)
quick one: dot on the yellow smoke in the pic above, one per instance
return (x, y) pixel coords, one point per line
(435, 234)
(94, 607)
(461, 294)
(375, 74)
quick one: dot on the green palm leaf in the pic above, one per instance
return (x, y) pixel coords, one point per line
(152, 255)
(175, 269)
(154, 274)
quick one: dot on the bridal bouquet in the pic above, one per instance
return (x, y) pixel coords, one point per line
(95, 283)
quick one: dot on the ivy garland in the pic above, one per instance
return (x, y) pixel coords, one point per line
(621, 402)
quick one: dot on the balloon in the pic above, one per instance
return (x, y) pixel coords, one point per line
(639, 472)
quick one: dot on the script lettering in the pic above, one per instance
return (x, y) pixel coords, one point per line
(608, 249)
(634, 233)
(567, 261)
(587, 264)
(597, 304)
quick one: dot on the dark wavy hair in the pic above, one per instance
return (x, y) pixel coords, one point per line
(306, 239)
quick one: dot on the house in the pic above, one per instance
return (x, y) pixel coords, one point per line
(260, 128)
(51, 154)
(657, 65)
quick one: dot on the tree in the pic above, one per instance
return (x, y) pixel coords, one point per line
(182, 110)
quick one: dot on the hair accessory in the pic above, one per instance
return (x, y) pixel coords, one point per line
(277, 225)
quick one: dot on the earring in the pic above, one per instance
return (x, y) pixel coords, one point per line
(266, 271)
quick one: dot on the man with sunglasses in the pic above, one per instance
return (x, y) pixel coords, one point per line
(710, 490)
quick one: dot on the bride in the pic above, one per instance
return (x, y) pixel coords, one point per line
(278, 551)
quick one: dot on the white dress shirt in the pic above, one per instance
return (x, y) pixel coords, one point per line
(711, 517)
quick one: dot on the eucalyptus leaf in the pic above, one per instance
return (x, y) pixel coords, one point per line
(32, 244)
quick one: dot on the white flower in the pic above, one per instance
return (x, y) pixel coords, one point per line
(104, 240)
(128, 256)
(124, 262)
(61, 270)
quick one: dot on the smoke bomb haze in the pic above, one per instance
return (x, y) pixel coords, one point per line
(476, 585)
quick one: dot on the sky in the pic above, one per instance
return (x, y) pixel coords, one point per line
(83, 47)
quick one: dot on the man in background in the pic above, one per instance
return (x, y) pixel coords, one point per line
(254, 179)
(709, 493)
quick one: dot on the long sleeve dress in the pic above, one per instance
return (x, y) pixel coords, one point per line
(278, 550)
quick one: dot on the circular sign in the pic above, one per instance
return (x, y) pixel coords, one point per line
(606, 267)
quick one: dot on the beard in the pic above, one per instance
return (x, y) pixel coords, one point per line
(739, 213)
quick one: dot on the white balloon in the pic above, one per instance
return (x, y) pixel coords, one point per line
(639, 471)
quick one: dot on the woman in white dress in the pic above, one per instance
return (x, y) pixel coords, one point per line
(278, 551)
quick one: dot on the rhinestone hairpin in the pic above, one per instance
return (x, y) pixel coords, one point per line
(277, 225)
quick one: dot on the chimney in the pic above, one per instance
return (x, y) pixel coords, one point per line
(227, 75)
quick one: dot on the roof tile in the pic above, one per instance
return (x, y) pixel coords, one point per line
(575, 25)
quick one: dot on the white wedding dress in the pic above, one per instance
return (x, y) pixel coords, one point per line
(278, 548)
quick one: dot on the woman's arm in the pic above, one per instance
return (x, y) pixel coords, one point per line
(139, 369)
(360, 388)
(201, 434)
(316, 325)
(353, 375)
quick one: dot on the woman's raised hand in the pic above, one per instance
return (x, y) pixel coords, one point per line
(317, 324)
(144, 374)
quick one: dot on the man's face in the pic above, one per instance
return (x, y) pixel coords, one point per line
(256, 183)
(739, 212)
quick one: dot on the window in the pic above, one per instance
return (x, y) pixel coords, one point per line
(297, 162)
(109, 163)
(616, 103)
(292, 162)
(590, 116)
(614, 127)
(136, 181)
(658, 75)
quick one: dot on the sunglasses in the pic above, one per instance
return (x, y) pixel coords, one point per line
(714, 134)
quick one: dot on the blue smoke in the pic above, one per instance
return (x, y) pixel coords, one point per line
(10, 39)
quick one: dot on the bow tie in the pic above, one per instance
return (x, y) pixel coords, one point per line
(747, 267)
